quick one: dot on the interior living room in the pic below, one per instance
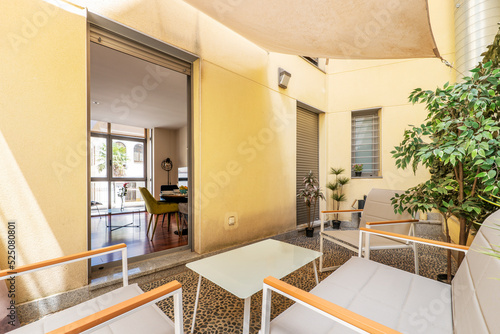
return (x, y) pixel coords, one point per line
(174, 166)
(139, 118)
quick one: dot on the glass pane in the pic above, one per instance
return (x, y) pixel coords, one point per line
(127, 193)
(126, 130)
(98, 197)
(98, 157)
(97, 126)
(128, 158)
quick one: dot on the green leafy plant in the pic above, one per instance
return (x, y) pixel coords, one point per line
(337, 188)
(459, 144)
(311, 193)
(119, 159)
(357, 167)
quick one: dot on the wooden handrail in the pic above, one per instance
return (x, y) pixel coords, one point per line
(417, 239)
(51, 262)
(335, 310)
(335, 211)
(393, 222)
(116, 310)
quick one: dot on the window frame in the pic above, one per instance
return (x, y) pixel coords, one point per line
(109, 178)
(376, 158)
(140, 153)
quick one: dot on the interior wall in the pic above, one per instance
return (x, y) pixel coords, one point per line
(182, 147)
(43, 141)
(165, 145)
(363, 84)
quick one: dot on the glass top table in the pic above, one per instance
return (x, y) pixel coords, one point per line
(242, 271)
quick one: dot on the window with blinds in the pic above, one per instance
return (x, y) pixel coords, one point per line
(365, 149)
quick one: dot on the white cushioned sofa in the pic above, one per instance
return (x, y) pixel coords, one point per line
(364, 296)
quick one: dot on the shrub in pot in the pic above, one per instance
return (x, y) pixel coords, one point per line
(338, 196)
(311, 193)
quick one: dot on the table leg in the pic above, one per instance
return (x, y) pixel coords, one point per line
(246, 315)
(196, 304)
(315, 272)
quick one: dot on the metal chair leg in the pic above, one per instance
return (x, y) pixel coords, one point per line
(415, 252)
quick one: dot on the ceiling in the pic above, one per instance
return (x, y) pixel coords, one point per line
(130, 91)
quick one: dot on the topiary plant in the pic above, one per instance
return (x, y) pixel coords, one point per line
(337, 188)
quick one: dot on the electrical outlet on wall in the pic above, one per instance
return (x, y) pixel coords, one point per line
(230, 221)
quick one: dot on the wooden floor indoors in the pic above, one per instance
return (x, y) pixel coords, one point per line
(135, 237)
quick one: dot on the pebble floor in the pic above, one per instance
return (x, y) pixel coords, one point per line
(221, 312)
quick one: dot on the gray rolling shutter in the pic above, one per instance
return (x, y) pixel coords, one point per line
(128, 46)
(307, 155)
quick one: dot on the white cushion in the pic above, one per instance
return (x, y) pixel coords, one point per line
(149, 320)
(476, 288)
(395, 298)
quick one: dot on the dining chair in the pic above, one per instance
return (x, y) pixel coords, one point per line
(167, 187)
(157, 208)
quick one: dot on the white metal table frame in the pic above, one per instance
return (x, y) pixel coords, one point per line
(253, 262)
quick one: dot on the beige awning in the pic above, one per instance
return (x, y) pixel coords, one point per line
(349, 29)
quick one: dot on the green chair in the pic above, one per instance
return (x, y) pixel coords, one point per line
(157, 208)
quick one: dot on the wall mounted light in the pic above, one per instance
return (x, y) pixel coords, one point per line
(283, 78)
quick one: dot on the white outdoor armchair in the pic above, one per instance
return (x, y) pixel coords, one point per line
(125, 310)
(378, 214)
(364, 296)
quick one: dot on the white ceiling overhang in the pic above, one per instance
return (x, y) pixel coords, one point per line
(337, 29)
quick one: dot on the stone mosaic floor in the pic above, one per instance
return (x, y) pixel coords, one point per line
(220, 312)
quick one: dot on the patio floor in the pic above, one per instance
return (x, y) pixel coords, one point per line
(221, 312)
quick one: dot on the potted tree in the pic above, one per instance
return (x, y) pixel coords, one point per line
(358, 169)
(459, 144)
(338, 195)
(311, 194)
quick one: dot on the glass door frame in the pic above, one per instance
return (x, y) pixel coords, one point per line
(140, 41)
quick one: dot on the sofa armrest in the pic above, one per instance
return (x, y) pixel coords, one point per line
(390, 222)
(403, 237)
(6, 273)
(125, 308)
(333, 311)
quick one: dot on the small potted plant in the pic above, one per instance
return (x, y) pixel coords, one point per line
(338, 195)
(358, 169)
(311, 193)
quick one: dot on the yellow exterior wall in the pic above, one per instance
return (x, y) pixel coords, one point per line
(236, 99)
(43, 141)
(358, 84)
(243, 126)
